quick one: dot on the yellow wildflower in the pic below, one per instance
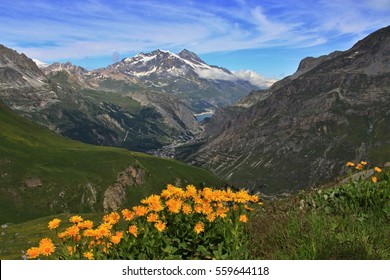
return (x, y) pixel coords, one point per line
(175, 191)
(133, 230)
(140, 210)
(207, 209)
(186, 209)
(199, 227)
(104, 229)
(88, 255)
(154, 203)
(152, 217)
(53, 224)
(151, 199)
(46, 246)
(112, 218)
(127, 214)
(198, 208)
(221, 211)
(242, 196)
(359, 166)
(166, 194)
(254, 198)
(198, 200)
(156, 207)
(190, 191)
(174, 205)
(377, 169)
(62, 235)
(160, 226)
(243, 218)
(89, 232)
(72, 231)
(75, 219)
(87, 224)
(211, 217)
(33, 252)
(374, 179)
(363, 162)
(229, 194)
(350, 164)
(115, 239)
(208, 194)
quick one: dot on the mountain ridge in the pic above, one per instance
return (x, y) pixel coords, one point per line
(185, 75)
(69, 100)
(302, 130)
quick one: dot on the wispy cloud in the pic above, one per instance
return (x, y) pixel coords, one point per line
(51, 30)
(255, 78)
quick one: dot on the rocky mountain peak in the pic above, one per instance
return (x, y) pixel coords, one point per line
(376, 42)
(369, 56)
(68, 67)
(190, 56)
(13, 60)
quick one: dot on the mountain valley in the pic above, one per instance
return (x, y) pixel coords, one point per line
(302, 130)
(295, 135)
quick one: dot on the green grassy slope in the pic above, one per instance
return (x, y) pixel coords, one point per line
(62, 170)
(344, 221)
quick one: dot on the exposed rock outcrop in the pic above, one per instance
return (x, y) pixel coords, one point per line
(115, 195)
(33, 182)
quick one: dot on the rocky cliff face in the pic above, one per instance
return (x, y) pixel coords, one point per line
(302, 130)
(22, 84)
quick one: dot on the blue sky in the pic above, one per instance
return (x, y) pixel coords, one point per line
(269, 37)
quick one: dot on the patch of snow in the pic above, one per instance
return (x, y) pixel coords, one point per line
(145, 59)
(127, 133)
(145, 73)
(177, 71)
(40, 64)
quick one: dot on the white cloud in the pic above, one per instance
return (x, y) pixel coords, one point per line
(254, 78)
(214, 74)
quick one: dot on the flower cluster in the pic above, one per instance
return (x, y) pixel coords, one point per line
(175, 213)
(46, 247)
(360, 166)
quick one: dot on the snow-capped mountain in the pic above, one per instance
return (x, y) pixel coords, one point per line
(166, 63)
(199, 85)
